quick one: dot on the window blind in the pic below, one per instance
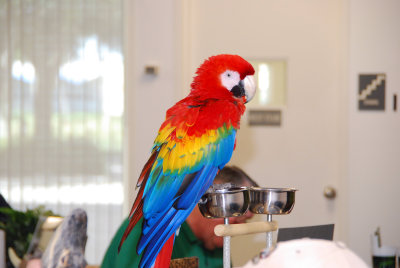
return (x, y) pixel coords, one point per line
(61, 110)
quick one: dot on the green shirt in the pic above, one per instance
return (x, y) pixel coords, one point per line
(186, 245)
(126, 257)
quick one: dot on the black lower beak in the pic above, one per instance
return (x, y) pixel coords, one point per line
(238, 90)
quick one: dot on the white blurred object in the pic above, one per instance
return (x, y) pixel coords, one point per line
(2, 249)
(384, 251)
(306, 252)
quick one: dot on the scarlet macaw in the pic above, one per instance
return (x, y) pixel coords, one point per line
(196, 140)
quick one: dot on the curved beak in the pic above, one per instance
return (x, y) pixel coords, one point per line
(246, 88)
(249, 87)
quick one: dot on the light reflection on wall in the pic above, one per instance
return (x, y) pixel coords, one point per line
(263, 83)
(271, 84)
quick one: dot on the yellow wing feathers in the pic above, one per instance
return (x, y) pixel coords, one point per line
(180, 151)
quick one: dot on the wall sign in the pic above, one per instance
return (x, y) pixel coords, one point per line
(265, 117)
(371, 92)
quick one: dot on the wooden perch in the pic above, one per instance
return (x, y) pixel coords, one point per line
(245, 228)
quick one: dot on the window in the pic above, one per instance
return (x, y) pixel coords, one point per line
(270, 79)
(61, 110)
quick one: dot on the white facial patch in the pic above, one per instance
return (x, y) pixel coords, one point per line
(229, 79)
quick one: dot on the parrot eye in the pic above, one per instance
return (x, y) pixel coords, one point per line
(229, 79)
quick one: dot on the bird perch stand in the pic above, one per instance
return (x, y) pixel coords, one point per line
(245, 228)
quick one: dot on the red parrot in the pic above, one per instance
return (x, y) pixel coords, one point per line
(195, 141)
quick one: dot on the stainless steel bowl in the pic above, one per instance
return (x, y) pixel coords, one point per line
(272, 201)
(223, 203)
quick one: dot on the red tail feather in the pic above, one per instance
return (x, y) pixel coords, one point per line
(132, 222)
(147, 168)
(137, 202)
(164, 257)
(135, 215)
(137, 207)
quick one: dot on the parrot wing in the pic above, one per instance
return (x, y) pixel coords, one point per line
(184, 161)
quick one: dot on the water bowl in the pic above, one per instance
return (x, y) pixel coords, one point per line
(224, 203)
(272, 201)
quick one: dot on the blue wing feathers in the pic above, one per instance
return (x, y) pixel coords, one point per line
(167, 205)
(193, 190)
(155, 228)
(155, 245)
(161, 195)
(167, 226)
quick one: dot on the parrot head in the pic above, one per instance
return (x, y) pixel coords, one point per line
(224, 76)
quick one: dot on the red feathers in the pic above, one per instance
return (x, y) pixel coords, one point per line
(164, 257)
(206, 79)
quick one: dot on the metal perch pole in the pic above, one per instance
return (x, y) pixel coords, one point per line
(269, 234)
(227, 247)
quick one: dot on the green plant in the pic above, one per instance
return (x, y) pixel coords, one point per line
(19, 227)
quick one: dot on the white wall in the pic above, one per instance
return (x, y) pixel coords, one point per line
(369, 197)
(374, 137)
(152, 37)
(306, 151)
